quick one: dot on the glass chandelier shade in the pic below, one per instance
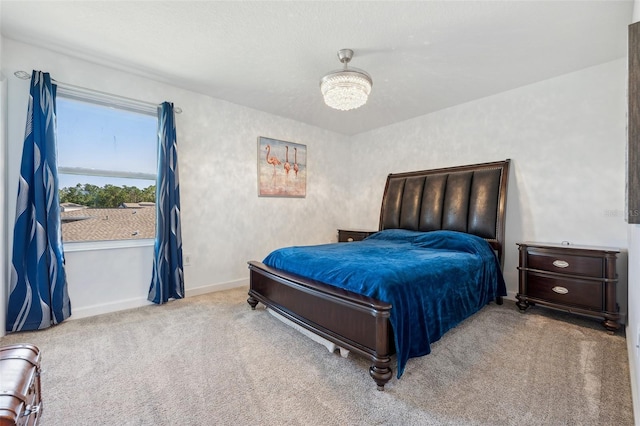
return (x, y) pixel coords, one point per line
(346, 89)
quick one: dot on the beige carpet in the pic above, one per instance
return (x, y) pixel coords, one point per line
(211, 360)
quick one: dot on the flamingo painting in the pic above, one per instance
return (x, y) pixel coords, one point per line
(287, 166)
(273, 160)
(275, 166)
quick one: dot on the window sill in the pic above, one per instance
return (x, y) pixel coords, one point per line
(106, 245)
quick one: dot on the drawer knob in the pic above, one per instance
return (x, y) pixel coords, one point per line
(350, 240)
(560, 263)
(560, 290)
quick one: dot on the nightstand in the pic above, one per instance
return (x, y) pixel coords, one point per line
(350, 235)
(577, 279)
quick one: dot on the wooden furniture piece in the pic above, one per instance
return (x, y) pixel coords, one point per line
(578, 279)
(20, 397)
(351, 235)
(468, 199)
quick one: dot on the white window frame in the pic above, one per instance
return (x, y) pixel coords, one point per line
(81, 94)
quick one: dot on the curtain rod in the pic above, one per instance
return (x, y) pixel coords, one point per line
(83, 93)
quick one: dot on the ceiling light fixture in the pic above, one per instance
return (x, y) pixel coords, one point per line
(346, 89)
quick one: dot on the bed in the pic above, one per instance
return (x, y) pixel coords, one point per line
(449, 214)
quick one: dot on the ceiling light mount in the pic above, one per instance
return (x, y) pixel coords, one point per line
(348, 88)
(345, 56)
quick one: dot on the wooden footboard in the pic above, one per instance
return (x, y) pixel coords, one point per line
(353, 321)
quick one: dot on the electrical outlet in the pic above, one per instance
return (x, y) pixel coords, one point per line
(186, 260)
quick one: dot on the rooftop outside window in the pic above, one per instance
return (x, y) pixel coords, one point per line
(107, 159)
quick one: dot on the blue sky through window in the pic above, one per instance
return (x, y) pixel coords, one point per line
(93, 136)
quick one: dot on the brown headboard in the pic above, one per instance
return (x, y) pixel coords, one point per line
(469, 199)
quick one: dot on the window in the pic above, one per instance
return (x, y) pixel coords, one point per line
(107, 160)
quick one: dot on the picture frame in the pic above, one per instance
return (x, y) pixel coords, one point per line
(282, 168)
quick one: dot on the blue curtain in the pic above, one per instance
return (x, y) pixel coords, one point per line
(168, 279)
(38, 294)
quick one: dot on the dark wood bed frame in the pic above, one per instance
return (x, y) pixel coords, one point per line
(468, 198)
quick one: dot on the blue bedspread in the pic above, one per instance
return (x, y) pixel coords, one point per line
(433, 280)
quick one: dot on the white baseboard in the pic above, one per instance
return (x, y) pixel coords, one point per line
(105, 308)
(190, 292)
(511, 295)
(120, 305)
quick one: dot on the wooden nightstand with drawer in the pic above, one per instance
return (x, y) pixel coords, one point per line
(350, 235)
(577, 279)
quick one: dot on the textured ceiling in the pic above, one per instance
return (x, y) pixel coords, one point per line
(423, 56)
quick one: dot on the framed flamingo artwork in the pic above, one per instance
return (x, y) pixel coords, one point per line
(282, 168)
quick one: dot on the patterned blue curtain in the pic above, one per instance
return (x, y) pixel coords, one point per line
(38, 294)
(168, 279)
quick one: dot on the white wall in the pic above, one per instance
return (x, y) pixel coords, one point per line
(3, 192)
(4, 248)
(565, 136)
(225, 223)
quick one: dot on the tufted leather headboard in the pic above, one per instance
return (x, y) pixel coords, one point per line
(469, 199)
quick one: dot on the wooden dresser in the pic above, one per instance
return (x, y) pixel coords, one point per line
(577, 279)
(350, 235)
